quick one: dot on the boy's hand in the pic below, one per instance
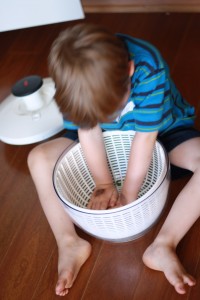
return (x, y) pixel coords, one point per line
(104, 196)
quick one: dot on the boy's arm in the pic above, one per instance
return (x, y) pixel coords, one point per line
(140, 158)
(105, 194)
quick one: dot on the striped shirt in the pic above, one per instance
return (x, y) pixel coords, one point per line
(154, 104)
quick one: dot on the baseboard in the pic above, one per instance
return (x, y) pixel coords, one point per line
(153, 8)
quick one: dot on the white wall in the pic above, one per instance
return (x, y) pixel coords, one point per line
(15, 14)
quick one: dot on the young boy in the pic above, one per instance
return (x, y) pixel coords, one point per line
(106, 81)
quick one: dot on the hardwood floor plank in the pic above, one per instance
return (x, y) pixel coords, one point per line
(119, 264)
(14, 203)
(188, 61)
(26, 257)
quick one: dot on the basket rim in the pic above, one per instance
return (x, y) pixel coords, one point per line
(112, 210)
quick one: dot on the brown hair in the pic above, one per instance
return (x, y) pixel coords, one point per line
(90, 68)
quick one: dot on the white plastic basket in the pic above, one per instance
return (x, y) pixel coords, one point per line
(74, 184)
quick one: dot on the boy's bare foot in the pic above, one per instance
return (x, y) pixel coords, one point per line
(71, 257)
(163, 258)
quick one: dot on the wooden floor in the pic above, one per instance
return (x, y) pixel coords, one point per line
(28, 252)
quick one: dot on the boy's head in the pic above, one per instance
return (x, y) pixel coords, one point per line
(90, 67)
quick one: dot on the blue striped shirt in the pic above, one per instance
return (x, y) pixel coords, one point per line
(154, 104)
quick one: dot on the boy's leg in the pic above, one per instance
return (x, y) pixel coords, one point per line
(161, 255)
(72, 250)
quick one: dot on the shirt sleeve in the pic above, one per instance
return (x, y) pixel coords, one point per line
(148, 94)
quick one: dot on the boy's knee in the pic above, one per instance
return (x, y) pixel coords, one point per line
(35, 156)
(197, 165)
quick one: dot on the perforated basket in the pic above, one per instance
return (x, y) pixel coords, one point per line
(74, 185)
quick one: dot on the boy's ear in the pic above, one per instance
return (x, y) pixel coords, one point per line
(131, 68)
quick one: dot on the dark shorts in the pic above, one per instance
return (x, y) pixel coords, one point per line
(71, 134)
(170, 140)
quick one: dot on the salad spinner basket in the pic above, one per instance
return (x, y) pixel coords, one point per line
(74, 185)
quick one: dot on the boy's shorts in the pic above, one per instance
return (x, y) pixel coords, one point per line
(170, 140)
(71, 134)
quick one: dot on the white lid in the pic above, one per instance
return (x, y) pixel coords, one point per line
(20, 127)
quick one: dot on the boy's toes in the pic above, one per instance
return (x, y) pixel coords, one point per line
(61, 289)
(180, 288)
(189, 280)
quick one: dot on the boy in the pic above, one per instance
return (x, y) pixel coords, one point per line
(120, 83)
